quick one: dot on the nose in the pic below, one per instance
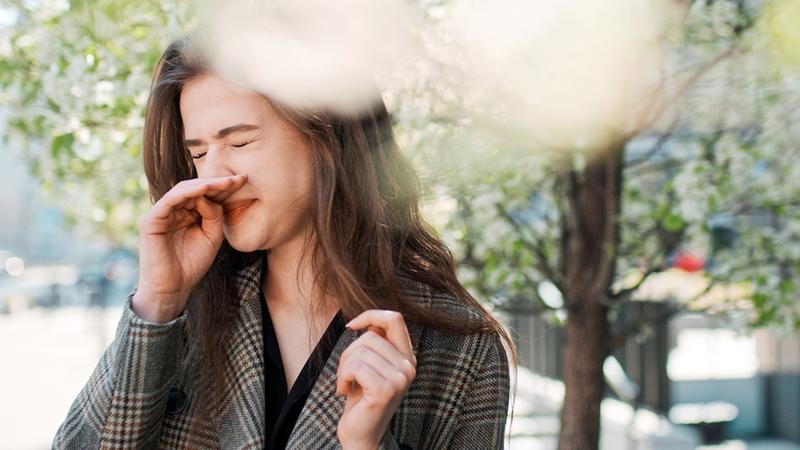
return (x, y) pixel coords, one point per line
(215, 163)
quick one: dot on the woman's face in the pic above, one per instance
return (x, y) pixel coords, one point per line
(230, 130)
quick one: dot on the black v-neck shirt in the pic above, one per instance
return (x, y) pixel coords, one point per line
(283, 408)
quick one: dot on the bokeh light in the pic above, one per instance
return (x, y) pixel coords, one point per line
(15, 266)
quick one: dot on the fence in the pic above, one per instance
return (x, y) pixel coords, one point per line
(643, 356)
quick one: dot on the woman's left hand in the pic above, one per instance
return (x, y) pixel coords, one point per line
(374, 373)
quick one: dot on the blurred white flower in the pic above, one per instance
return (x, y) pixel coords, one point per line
(99, 214)
(572, 74)
(309, 53)
(118, 136)
(83, 134)
(90, 151)
(104, 92)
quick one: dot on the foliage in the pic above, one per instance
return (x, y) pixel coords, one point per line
(75, 76)
(715, 176)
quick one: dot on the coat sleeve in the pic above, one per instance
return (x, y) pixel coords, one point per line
(482, 420)
(388, 442)
(123, 403)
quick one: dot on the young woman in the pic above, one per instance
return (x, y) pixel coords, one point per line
(271, 228)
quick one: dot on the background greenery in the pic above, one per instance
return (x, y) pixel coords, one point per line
(714, 174)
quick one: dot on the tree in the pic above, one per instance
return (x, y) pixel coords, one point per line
(75, 77)
(707, 173)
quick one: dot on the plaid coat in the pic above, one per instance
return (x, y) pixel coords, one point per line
(140, 393)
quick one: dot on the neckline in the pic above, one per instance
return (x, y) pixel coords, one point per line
(324, 346)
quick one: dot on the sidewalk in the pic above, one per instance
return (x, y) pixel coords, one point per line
(47, 356)
(535, 423)
(760, 444)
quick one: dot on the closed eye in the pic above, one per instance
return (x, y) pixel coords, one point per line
(239, 145)
(242, 144)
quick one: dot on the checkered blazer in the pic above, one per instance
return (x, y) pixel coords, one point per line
(140, 393)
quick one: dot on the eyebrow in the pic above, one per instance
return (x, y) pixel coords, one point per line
(222, 133)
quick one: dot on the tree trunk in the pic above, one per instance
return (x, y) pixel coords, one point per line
(585, 350)
(588, 256)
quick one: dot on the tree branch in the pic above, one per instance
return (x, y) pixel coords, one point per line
(542, 263)
(659, 107)
(711, 283)
(625, 294)
(657, 147)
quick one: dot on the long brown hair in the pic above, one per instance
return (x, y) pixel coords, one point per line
(365, 216)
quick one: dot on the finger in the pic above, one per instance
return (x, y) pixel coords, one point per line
(384, 348)
(223, 187)
(376, 389)
(186, 198)
(222, 193)
(176, 200)
(211, 214)
(387, 369)
(178, 197)
(391, 323)
(353, 355)
(214, 182)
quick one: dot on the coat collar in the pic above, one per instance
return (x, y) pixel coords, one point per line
(243, 414)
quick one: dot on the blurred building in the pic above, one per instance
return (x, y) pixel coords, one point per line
(58, 267)
(779, 367)
(706, 370)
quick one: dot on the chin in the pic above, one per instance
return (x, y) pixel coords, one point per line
(244, 244)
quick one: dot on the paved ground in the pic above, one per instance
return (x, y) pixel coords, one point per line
(47, 356)
(535, 424)
(761, 444)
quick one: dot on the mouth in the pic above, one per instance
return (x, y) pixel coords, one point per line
(235, 209)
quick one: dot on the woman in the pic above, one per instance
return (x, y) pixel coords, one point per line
(270, 228)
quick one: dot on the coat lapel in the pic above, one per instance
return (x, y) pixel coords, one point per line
(242, 420)
(316, 425)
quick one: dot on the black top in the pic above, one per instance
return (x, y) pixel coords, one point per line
(282, 408)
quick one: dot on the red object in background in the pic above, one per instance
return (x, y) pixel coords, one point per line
(688, 262)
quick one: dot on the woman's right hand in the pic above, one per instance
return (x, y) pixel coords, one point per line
(178, 240)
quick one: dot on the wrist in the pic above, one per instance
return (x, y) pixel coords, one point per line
(153, 309)
(349, 444)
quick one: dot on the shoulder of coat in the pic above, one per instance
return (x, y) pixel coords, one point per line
(428, 297)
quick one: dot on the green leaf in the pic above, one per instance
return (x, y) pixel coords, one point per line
(62, 144)
(673, 223)
(759, 300)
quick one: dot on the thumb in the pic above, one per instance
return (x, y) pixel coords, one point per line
(380, 331)
(211, 213)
